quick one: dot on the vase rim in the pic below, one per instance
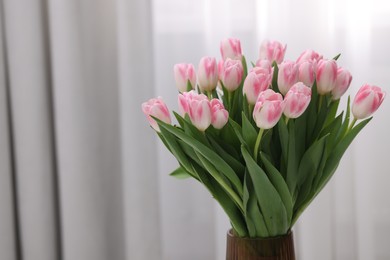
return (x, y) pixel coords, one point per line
(289, 233)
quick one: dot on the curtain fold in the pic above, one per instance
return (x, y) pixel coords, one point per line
(84, 67)
(138, 149)
(8, 229)
(33, 149)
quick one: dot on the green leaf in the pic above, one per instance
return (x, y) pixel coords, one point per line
(283, 135)
(237, 107)
(189, 151)
(300, 135)
(254, 218)
(248, 219)
(236, 165)
(176, 149)
(320, 170)
(311, 114)
(237, 130)
(180, 173)
(309, 168)
(275, 77)
(244, 66)
(229, 139)
(189, 86)
(344, 126)
(245, 108)
(311, 160)
(339, 151)
(225, 97)
(332, 130)
(211, 156)
(280, 185)
(162, 138)
(337, 56)
(331, 166)
(292, 160)
(218, 177)
(271, 205)
(249, 133)
(268, 147)
(230, 208)
(332, 112)
(320, 120)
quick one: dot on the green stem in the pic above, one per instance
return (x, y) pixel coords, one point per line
(209, 94)
(352, 124)
(250, 112)
(287, 118)
(250, 107)
(229, 100)
(320, 103)
(256, 150)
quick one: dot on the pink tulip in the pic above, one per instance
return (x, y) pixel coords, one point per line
(231, 48)
(326, 76)
(200, 114)
(184, 101)
(184, 73)
(297, 100)
(232, 73)
(343, 81)
(157, 108)
(306, 73)
(287, 76)
(220, 69)
(309, 55)
(268, 109)
(367, 101)
(219, 115)
(272, 51)
(207, 74)
(258, 80)
(198, 108)
(265, 64)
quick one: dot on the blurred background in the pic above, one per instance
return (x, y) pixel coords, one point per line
(82, 176)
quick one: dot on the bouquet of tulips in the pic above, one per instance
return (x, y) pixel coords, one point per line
(263, 141)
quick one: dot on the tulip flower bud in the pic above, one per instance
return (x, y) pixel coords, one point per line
(287, 76)
(309, 55)
(220, 66)
(272, 51)
(184, 73)
(343, 81)
(184, 101)
(268, 109)
(326, 76)
(232, 73)
(306, 73)
(198, 108)
(207, 74)
(200, 113)
(367, 101)
(231, 48)
(219, 115)
(265, 64)
(258, 80)
(157, 108)
(297, 100)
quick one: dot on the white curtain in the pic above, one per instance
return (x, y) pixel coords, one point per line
(83, 177)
